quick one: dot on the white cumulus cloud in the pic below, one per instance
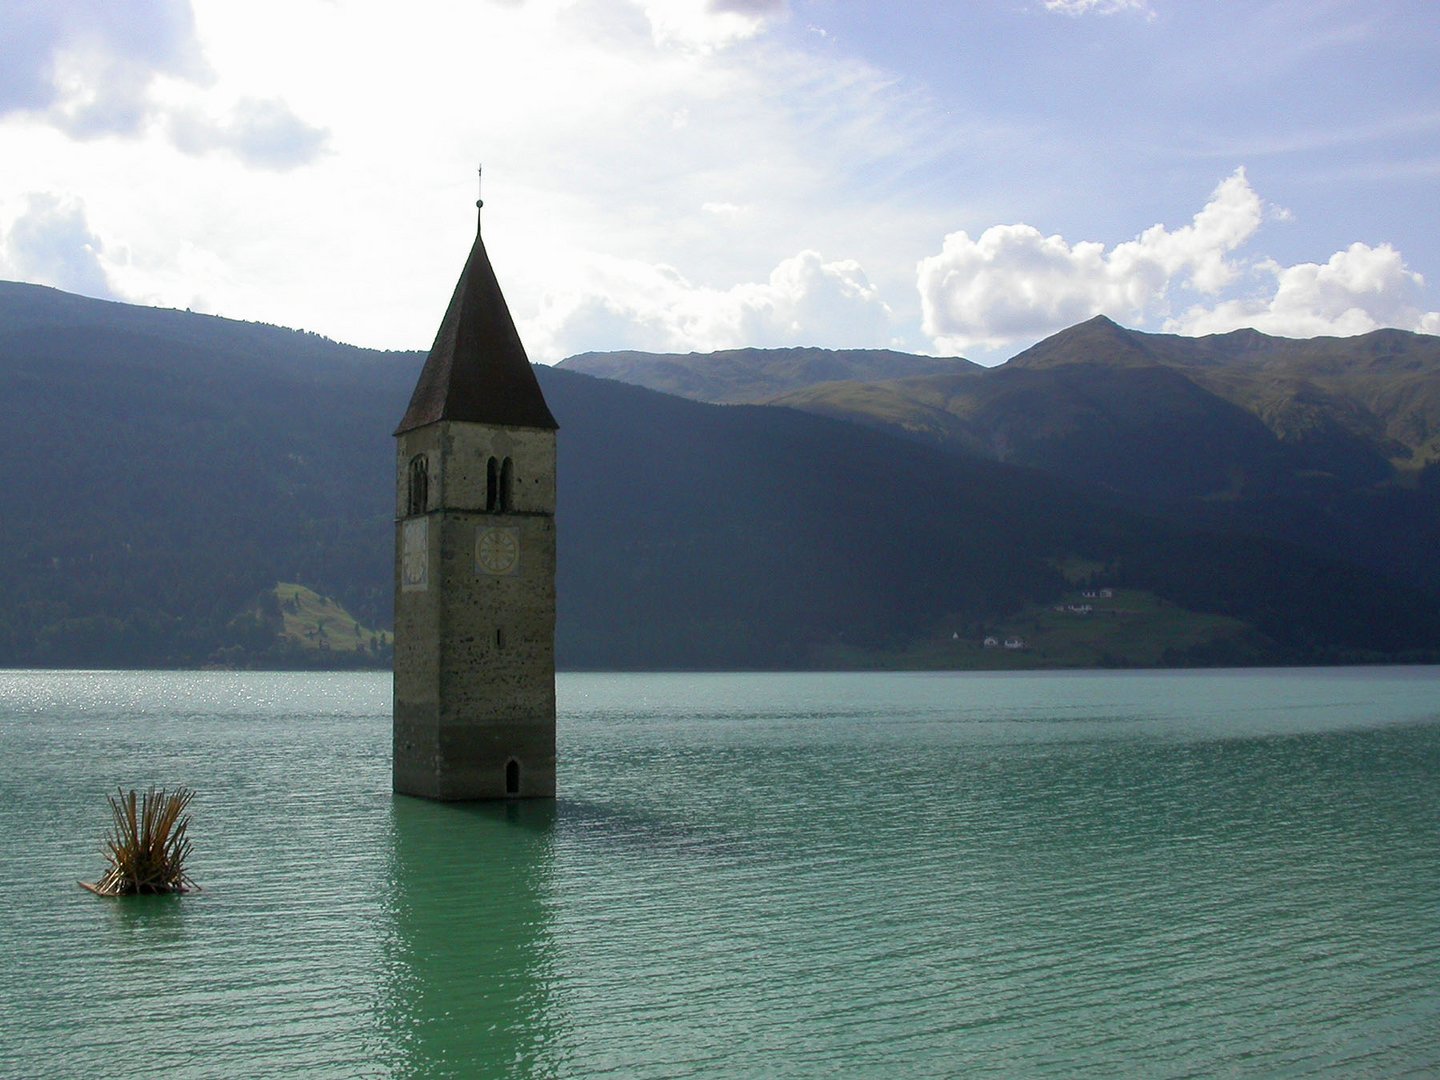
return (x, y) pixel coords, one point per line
(631, 305)
(93, 68)
(1013, 282)
(1015, 285)
(264, 133)
(51, 243)
(1357, 290)
(88, 65)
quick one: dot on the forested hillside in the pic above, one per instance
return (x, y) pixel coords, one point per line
(164, 468)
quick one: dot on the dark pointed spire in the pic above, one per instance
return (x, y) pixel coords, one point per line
(477, 369)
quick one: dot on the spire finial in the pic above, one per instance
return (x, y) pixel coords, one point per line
(479, 202)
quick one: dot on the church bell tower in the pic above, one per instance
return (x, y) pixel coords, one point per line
(474, 707)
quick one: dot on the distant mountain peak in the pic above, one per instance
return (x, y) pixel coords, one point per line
(1096, 340)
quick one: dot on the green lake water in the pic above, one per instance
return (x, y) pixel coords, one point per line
(1158, 874)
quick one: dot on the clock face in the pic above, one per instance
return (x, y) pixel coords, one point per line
(497, 550)
(415, 555)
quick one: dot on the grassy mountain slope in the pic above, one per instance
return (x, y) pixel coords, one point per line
(1351, 408)
(1328, 443)
(1379, 391)
(311, 621)
(168, 468)
(292, 626)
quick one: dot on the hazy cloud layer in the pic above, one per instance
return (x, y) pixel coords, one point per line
(806, 301)
(50, 243)
(1097, 7)
(754, 8)
(654, 166)
(708, 24)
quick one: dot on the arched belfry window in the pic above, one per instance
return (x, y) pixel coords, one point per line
(417, 497)
(507, 485)
(512, 777)
(492, 485)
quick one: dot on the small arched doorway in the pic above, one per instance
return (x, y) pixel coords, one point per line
(512, 778)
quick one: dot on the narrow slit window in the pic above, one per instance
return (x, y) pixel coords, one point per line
(512, 777)
(417, 498)
(507, 485)
(499, 638)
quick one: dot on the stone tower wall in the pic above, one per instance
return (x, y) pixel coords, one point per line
(475, 644)
(458, 453)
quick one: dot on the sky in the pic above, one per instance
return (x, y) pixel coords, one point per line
(937, 177)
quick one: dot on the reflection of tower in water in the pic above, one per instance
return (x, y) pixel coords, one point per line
(469, 959)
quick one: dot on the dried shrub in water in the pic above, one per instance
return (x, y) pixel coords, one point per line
(148, 848)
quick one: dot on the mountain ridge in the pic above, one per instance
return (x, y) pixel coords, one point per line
(168, 468)
(1295, 439)
(747, 376)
